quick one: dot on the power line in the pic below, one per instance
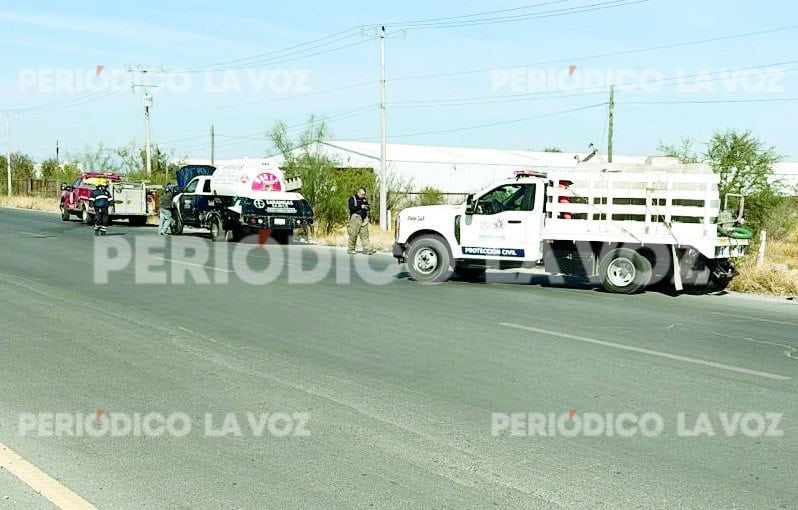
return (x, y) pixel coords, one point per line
(715, 101)
(599, 55)
(273, 100)
(299, 55)
(522, 17)
(275, 52)
(556, 94)
(484, 13)
(501, 123)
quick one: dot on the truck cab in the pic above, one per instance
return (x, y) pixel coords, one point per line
(501, 226)
(193, 200)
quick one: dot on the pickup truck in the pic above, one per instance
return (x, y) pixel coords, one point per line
(130, 201)
(627, 225)
(230, 218)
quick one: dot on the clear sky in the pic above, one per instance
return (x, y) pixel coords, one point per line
(238, 65)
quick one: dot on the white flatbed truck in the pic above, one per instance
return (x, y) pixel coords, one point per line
(629, 225)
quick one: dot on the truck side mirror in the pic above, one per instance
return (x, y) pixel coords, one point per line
(469, 209)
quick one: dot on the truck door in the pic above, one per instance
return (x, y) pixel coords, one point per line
(188, 203)
(73, 197)
(504, 225)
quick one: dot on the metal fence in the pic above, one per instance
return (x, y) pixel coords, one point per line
(31, 187)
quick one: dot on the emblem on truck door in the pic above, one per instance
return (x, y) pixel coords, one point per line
(260, 204)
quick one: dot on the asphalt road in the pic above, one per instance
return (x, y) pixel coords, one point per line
(397, 383)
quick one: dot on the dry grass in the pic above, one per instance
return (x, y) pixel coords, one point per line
(33, 203)
(779, 274)
(380, 240)
(771, 278)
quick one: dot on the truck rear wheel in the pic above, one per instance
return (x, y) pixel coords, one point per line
(624, 271)
(218, 232)
(428, 260)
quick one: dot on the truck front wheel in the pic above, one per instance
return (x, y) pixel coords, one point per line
(428, 260)
(177, 225)
(624, 271)
(64, 213)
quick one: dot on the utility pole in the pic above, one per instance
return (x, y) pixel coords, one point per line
(383, 139)
(147, 137)
(380, 32)
(147, 108)
(213, 144)
(611, 127)
(8, 152)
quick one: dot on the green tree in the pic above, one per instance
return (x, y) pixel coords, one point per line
(325, 186)
(133, 164)
(22, 166)
(683, 151)
(50, 169)
(743, 162)
(430, 196)
(745, 166)
(69, 172)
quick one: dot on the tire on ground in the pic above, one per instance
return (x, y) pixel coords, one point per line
(218, 233)
(624, 271)
(64, 213)
(428, 259)
(177, 225)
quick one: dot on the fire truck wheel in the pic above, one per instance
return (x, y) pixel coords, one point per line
(624, 271)
(64, 213)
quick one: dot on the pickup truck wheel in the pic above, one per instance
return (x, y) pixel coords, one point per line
(177, 225)
(64, 213)
(428, 260)
(624, 271)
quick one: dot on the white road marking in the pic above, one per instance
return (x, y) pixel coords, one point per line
(650, 352)
(791, 351)
(195, 265)
(754, 318)
(41, 482)
(32, 234)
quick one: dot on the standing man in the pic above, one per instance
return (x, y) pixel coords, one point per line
(359, 222)
(165, 211)
(100, 200)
